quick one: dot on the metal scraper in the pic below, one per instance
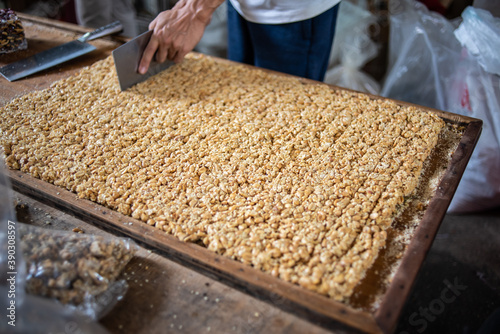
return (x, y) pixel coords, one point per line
(127, 58)
(57, 55)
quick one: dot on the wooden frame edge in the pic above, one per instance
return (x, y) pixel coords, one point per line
(392, 304)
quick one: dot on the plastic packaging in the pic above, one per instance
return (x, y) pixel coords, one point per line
(12, 36)
(480, 34)
(475, 92)
(53, 273)
(78, 270)
(423, 54)
(491, 6)
(452, 66)
(37, 315)
(352, 49)
(11, 262)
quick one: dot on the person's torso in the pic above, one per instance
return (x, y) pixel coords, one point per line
(281, 11)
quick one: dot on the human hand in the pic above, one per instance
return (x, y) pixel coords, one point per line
(177, 31)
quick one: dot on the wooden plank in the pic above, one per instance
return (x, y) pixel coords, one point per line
(62, 26)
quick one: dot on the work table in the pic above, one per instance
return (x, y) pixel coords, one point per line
(168, 295)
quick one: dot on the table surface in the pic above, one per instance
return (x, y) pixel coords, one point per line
(457, 290)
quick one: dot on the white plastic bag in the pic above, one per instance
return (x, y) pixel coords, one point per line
(480, 34)
(491, 6)
(476, 93)
(436, 63)
(352, 49)
(423, 54)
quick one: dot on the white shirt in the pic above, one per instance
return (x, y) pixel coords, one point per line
(281, 11)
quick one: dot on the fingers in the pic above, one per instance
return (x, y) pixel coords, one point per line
(161, 53)
(177, 57)
(152, 24)
(176, 33)
(155, 46)
(148, 54)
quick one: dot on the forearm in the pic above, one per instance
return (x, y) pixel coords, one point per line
(200, 9)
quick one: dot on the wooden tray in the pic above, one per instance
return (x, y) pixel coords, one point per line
(292, 298)
(382, 318)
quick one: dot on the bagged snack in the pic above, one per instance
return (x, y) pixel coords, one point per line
(12, 36)
(26, 313)
(78, 270)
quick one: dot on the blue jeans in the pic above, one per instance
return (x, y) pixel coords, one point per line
(300, 48)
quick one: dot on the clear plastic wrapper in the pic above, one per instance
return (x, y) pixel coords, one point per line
(12, 37)
(475, 92)
(79, 270)
(352, 49)
(423, 54)
(42, 315)
(480, 34)
(452, 66)
(43, 288)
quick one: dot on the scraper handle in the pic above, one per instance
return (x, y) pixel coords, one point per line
(102, 31)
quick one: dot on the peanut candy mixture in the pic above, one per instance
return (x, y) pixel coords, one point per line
(293, 178)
